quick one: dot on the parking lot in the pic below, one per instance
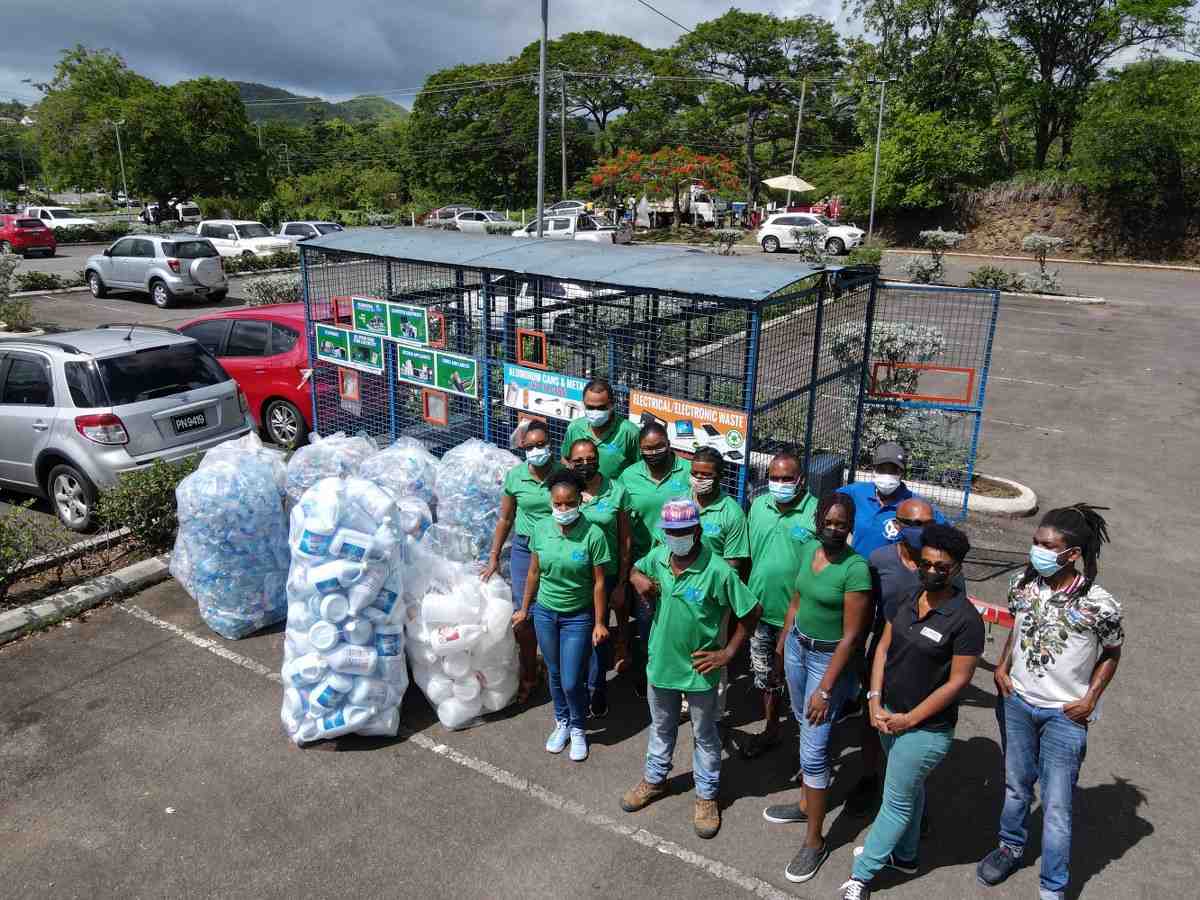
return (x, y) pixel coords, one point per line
(140, 755)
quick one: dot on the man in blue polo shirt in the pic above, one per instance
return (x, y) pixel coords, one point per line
(876, 501)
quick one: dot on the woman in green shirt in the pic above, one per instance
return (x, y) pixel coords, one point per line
(525, 503)
(830, 612)
(606, 505)
(566, 576)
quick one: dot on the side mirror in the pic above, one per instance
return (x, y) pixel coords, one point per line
(108, 251)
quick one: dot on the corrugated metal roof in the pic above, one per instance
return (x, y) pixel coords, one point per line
(652, 268)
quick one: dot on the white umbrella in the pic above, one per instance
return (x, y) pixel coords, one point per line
(789, 183)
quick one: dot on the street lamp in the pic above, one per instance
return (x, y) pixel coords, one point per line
(541, 175)
(121, 155)
(883, 83)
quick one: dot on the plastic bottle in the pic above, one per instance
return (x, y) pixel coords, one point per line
(334, 575)
(295, 706)
(343, 721)
(456, 665)
(366, 587)
(374, 692)
(330, 693)
(298, 616)
(361, 546)
(439, 688)
(467, 689)
(335, 607)
(455, 713)
(383, 724)
(450, 609)
(297, 642)
(352, 660)
(324, 636)
(305, 670)
(455, 638)
(358, 631)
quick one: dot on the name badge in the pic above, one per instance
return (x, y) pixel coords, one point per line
(935, 636)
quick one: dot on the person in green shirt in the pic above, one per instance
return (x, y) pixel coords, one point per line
(829, 614)
(780, 523)
(606, 505)
(660, 476)
(566, 576)
(690, 590)
(525, 503)
(616, 439)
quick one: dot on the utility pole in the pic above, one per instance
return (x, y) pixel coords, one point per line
(541, 173)
(562, 123)
(796, 145)
(121, 155)
(883, 83)
(260, 144)
(287, 160)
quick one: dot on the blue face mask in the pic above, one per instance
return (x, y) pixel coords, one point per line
(783, 491)
(565, 516)
(913, 536)
(1045, 562)
(597, 416)
(539, 456)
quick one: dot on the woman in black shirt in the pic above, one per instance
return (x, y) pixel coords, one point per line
(925, 658)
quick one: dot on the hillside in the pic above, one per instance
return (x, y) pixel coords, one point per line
(358, 109)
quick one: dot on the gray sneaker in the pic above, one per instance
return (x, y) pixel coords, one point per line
(804, 864)
(785, 814)
(997, 866)
(855, 890)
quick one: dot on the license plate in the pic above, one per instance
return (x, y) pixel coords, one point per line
(189, 422)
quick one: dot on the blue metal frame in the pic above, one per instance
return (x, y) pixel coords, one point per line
(390, 368)
(751, 393)
(311, 336)
(856, 437)
(485, 296)
(983, 377)
(812, 377)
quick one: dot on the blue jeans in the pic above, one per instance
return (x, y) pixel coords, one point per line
(565, 640)
(804, 669)
(1040, 745)
(664, 728)
(518, 567)
(601, 660)
(897, 829)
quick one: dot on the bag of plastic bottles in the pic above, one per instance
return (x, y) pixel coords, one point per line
(336, 456)
(406, 468)
(469, 487)
(231, 550)
(344, 667)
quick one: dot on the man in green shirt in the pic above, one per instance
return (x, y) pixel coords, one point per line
(615, 438)
(691, 590)
(781, 522)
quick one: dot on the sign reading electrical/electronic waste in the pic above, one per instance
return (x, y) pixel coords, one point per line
(541, 393)
(691, 426)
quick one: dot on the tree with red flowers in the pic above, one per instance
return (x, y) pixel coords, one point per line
(667, 172)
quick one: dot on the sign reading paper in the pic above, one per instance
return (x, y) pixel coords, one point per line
(541, 393)
(408, 323)
(457, 374)
(333, 344)
(370, 316)
(691, 426)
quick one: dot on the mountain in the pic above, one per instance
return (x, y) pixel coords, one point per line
(358, 109)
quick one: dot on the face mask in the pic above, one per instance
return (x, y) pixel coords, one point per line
(784, 491)
(586, 471)
(654, 457)
(680, 545)
(912, 535)
(833, 540)
(1044, 561)
(886, 484)
(597, 416)
(565, 516)
(933, 580)
(702, 485)
(539, 456)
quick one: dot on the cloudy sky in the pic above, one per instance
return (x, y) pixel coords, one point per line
(333, 49)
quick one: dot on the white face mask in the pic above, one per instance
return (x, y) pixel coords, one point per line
(539, 456)
(565, 516)
(886, 484)
(680, 545)
(702, 485)
(598, 416)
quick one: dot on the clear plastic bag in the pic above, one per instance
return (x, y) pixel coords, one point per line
(406, 468)
(336, 456)
(469, 487)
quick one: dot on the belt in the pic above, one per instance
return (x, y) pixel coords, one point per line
(813, 644)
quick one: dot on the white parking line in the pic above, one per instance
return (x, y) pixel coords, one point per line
(755, 886)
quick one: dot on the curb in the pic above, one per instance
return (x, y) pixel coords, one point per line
(75, 550)
(1054, 259)
(1011, 507)
(1056, 298)
(43, 613)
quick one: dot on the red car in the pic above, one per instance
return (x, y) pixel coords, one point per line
(265, 352)
(26, 235)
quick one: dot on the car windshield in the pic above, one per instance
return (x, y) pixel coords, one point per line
(328, 227)
(29, 223)
(253, 230)
(825, 221)
(493, 216)
(158, 372)
(60, 213)
(189, 210)
(190, 250)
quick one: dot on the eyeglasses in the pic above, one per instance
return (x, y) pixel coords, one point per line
(942, 568)
(914, 523)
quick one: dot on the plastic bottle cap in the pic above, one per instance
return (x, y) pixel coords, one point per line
(323, 636)
(335, 607)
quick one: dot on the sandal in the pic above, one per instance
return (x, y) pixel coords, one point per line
(760, 744)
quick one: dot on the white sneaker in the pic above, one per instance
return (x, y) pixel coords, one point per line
(855, 890)
(579, 745)
(558, 738)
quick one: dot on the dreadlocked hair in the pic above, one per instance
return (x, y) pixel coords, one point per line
(829, 501)
(1082, 526)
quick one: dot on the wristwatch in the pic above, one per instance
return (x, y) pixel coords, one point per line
(825, 695)
(871, 695)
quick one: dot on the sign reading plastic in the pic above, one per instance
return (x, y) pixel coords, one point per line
(691, 426)
(370, 316)
(414, 365)
(457, 374)
(543, 393)
(408, 323)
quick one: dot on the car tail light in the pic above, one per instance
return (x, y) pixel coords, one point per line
(102, 429)
(173, 265)
(243, 402)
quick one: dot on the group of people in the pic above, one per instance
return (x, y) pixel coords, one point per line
(861, 589)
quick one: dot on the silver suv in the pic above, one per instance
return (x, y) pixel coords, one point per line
(80, 409)
(166, 267)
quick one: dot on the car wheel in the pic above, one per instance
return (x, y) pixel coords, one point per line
(836, 246)
(73, 497)
(161, 295)
(5, 248)
(770, 243)
(247, 254)
(96, 286)
(284, 424)
(218, 296)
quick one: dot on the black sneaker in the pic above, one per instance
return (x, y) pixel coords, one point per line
(785, 814)
(804, 864)
(851, 709)
(908, 867)
(863, 796)
(855, 890)
(639, 689)
(997, 866)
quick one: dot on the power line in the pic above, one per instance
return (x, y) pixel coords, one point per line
(659, 12)
(449, 88)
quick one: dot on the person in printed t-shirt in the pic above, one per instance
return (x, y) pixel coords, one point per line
(1061, 655)
(690, 591)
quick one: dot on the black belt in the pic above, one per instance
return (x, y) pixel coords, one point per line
(812, 644)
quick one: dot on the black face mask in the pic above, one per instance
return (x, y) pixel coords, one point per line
(654, 457)
(586, 471)
(933, 580)
(831, 539)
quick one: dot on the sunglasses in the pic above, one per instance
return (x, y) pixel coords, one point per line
(925, 565)
(914, 523)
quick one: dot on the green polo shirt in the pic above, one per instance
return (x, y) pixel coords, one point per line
(565, 561)
(823, 595)
(688, 616)
(619, 447)
(775, 541)
(647, 496)
(532, 496)
(723, 527)
(603, 510)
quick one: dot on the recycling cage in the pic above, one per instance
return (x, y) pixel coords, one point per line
(782, 345)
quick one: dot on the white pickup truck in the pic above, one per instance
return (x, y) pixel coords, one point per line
(578, 228)
(56, 217)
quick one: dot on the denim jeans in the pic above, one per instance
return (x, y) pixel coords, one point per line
(897, 829)
(565, 640)
(664, 728)
(601, 659)
(643, 616)
(804, 669)
(1040, 745)
(518, 567)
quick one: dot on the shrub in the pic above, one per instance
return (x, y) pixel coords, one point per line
(994, 278)
(727, 238)
(19, 543)
(8, 265)
(16, 313)
(272, 290)
(284, 259)
(501, 227)
(37, 281)
(868, 253)
(922, 269)
(1041, 246)
(144, 502)
(82, 234)
(810, 243)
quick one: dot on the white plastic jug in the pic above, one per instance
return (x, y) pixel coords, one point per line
(358, 631)
(467, 689)
(455, 638)
(297, 642)
(439, 688)
(456, 608)
(335, 607)
(334, 575)
(497, 697)
(352, 660)
(345, 720)
(384, 724)
(374, 692)
(365, 589)
(298, 616)
(455, 713)
(456, 665)
(305, 670)
(330, 693)
(389, 640)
